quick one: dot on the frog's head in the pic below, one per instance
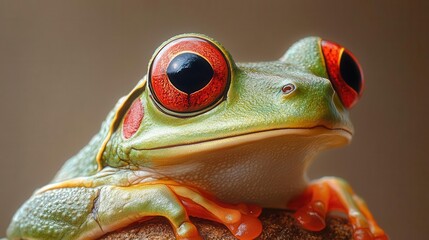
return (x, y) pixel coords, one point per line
(196, 107)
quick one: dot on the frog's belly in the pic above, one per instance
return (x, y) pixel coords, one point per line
(267, 172)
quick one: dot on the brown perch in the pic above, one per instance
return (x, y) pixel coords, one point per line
(277, 224)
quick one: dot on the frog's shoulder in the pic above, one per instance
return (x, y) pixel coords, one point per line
(84, 163)
(88, 160)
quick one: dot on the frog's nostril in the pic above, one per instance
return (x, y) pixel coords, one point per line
(344, 72)
(288, 88)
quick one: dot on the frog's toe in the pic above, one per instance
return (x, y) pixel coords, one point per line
(331, 194)
(373, 228)
(187, 230)
(312, 216)
(312, 206)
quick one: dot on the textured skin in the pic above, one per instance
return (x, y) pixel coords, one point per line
(133, 119)
(82, 213)
(312, 60)
(92, 195)
(57, 214)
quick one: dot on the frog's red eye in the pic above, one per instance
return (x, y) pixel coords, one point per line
(188, 75)
(344, 72)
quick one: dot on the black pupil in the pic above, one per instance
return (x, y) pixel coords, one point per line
(189, 72)
(350, 72)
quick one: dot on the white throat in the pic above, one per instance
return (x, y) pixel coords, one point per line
(265, 168)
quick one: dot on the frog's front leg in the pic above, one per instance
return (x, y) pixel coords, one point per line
(330, 194)
(120, 206)
(79, 212)
(88, 213)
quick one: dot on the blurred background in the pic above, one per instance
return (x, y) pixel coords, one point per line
(64, 64)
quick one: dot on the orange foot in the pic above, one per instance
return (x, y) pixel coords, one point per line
(334, 194)
(241, 219)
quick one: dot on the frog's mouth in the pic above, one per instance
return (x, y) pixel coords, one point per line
(318, 138)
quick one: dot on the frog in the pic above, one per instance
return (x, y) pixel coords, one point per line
(203, 136)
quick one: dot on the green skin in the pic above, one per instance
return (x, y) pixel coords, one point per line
(112, 193)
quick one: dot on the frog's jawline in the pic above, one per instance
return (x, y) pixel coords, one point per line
(348, 134)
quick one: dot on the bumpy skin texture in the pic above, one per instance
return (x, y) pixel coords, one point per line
(311, 60)
(250, 147)
(58, 214)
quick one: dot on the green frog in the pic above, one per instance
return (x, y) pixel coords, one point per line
(203, 136)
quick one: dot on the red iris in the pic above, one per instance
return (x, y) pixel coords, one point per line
(344, 72)
(188, 75)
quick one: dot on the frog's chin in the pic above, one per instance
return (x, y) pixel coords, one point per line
(267, 168)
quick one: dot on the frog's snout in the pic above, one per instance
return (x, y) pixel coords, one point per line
(344, 72)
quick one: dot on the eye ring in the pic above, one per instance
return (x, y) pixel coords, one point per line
(288, 88)
(189, 75)
(344, 72)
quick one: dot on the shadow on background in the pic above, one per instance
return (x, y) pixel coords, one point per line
(64, 65)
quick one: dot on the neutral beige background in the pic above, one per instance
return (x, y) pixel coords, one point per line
(63, 65)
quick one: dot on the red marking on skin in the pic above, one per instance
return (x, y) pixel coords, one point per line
(176, 100)
(133, 119)
(332, 53)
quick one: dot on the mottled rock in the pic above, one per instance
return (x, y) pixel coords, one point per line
(277, 224)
